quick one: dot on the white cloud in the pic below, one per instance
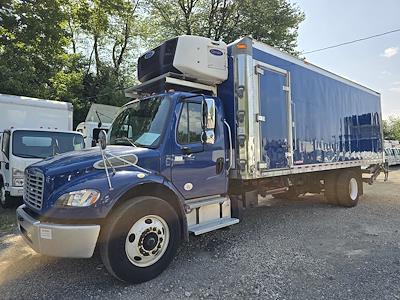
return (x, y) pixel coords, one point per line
(390, 52)
(395, 87)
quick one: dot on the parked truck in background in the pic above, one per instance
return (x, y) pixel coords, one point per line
(392, 152)
(99, 117)
(31, 130)
(210, 129)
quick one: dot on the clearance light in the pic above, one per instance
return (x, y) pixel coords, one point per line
(241, 46)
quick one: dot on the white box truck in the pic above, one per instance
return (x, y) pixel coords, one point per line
(31, 130)
(99, 117)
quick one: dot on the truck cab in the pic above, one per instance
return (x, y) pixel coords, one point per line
(166, 161)
(21, 147)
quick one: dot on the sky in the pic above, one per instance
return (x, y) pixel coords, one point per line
(374, 63)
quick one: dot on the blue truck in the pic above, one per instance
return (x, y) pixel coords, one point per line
(210, 129)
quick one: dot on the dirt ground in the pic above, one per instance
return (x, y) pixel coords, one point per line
(303, 249)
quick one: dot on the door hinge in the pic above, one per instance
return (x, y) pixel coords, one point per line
(260, 118)
(259, 70)
(262, 166)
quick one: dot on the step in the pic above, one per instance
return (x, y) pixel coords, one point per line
(198, 229)
(196, 203)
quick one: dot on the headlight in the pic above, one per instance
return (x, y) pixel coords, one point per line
(80, 198)
(17, 177)
(18, 182)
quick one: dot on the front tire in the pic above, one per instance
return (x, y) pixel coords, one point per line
(140, 239)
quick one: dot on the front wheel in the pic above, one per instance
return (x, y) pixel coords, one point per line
(140, 239)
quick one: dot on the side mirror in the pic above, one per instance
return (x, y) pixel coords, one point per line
(102, 139)
(209, 129)
(210, 114)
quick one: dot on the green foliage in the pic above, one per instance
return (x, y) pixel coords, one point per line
(31, 51)
(84, 51)
(274, 22)
(391, 128)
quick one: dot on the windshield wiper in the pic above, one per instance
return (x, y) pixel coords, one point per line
(127, 140)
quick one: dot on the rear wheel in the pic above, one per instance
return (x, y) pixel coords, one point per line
(348, 188)
(330, 186)
(140, 239)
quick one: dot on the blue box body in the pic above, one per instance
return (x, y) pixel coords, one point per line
(334, 119)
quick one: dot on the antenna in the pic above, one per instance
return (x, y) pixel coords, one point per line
(100, 122)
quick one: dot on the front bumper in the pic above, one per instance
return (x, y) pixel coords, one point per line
(60, 240)
(17, 191)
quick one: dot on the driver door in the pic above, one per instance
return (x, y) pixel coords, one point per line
(198, 166)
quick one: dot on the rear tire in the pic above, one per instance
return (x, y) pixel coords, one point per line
(348, 188)
(140, 239)
(330, 186)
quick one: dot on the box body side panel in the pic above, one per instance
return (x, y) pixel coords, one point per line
(332, 121)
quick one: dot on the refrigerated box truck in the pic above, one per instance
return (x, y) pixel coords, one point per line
(30, 130)
(210, 129)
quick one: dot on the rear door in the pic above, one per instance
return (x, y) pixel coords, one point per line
(274, 118)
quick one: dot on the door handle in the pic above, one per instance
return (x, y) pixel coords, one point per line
(219, 165)
(191, 156)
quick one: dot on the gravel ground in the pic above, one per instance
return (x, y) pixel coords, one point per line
(304, 249)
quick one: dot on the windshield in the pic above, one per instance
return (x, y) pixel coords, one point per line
(141, 123)
(43, 144)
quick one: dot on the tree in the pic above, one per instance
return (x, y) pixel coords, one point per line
(274, 22)
(391, 128)
(107, 33)
(32, 39)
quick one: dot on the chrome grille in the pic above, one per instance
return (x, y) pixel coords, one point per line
(33, 189)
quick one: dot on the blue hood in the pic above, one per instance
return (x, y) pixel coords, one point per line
(84, 160)
(76, 170)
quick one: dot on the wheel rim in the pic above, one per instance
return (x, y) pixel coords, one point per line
(147, 241)
(353, 189)
(2, 195)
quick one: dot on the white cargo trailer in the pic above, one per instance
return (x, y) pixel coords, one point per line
(99, 117)
(30, 130)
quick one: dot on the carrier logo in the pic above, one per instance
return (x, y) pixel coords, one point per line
(216, 52)
(149, 55)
